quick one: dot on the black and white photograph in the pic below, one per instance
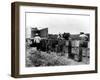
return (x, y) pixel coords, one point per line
(52, 39)
(57, 39)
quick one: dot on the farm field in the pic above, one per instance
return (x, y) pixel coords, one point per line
(36, 58)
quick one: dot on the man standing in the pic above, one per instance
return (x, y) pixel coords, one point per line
(37, 40)
(59, 36)
(83, 38)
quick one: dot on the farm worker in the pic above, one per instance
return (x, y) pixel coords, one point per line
(59, 36)
(83, 38)
(37, 40)
(70, 48)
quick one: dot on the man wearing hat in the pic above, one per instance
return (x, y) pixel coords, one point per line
(37, 40)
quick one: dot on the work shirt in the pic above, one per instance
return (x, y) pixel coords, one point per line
(83, 36)
(83, 42)
(37, 39)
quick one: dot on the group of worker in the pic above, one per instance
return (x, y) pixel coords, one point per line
(82, 36)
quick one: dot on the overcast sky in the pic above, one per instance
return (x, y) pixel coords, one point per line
(58, 22)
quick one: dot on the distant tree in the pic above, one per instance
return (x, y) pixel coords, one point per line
(66, 36)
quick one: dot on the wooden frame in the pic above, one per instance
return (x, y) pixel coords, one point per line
(15, 39)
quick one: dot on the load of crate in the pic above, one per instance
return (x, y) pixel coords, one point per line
(75, 50)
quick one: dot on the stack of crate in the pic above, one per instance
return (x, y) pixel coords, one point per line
(67, 44)
(85, 51)
(86, 54)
